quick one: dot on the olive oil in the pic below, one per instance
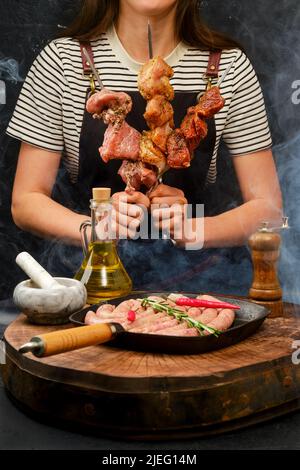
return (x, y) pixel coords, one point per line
(103, 273)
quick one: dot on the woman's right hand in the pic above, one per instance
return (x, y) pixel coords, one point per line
(130, 210)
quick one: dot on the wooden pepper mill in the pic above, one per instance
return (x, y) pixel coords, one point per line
(265, 248)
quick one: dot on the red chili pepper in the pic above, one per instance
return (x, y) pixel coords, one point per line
(187, 302)
(131, 316)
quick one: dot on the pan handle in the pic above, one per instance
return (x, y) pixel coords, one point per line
(71, 339)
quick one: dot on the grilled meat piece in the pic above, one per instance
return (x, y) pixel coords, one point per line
(179, 155)
(194, 129)
(151, 154)
(201, 127)
(158, 112)
(131, 175)
(120, 143)
(111, 106)
(154, 80)
(159, 135)
(210, 103)
(137, 174)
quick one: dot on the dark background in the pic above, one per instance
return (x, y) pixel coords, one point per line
(268, 30)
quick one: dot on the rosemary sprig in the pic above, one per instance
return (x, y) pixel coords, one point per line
(179, 315)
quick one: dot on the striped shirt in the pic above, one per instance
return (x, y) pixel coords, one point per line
(50, 108)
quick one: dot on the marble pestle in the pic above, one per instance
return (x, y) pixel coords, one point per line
(36, 272)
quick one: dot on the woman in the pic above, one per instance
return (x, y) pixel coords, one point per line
(51, 122)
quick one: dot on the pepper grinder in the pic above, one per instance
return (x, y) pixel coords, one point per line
(265, 251)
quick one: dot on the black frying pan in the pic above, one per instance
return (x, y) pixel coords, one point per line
(248, 320)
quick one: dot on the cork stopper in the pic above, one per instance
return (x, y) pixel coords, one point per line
(101, 194)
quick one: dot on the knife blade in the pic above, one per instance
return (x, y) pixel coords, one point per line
(150, 44)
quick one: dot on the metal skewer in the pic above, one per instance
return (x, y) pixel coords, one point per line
(93, 69)
(220, 81)
(150, 44)
(224, 75)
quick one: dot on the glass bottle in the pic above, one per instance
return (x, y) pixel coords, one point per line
(102, 271)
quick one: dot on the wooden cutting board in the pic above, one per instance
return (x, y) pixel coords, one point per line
(142, 396)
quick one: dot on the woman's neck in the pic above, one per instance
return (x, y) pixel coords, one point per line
(132, 32)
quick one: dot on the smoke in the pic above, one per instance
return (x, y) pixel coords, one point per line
(269, 31)
(9, 76)
(287, 157)
(9, 70)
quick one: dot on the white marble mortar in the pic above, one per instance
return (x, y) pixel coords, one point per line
(50, 306)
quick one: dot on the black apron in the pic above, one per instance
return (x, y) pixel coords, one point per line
(158, 264)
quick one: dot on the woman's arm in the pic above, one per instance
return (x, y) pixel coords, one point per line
(32, 207)
(261, 193)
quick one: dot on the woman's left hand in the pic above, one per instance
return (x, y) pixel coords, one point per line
(168, 209)
(166, 195)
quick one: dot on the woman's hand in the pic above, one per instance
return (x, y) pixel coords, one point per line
(130, 211)
(168, 209)
(166, 195)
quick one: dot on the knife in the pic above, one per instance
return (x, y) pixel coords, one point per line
(150, 44)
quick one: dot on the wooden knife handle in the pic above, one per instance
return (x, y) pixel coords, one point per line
(74, 338)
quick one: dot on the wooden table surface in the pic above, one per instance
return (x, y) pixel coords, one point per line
(150, 396)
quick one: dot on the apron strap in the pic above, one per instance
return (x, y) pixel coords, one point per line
(213, 66)
(86, 68)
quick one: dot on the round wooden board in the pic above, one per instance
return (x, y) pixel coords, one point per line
(135, 395)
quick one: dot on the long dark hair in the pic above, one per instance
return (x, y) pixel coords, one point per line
(96, 16)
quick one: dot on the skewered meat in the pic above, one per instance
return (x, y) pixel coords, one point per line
(158, 112)
(111, 106)
(194, 129)
(178, 153)
(151, 154)
(154, 80)
(150, 321)
(148, 175)
(120, 143)
(136, 174)
(147, 156)
(210, 103)
(182, 142)
(154, 85)
(131, 175)
(105, 99)
(159, 135)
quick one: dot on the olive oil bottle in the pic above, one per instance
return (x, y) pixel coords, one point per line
(102, 271)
